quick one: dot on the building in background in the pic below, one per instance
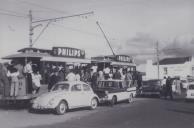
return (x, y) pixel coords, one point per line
(179, 66)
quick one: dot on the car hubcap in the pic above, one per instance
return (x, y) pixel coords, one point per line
(94, 103)
(62, 108)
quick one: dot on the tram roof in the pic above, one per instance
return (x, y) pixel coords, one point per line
(65, 59)
(115, 63)
(24, 55)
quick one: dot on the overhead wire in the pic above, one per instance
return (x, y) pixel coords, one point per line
(40, 6)
(11, 11)
(11, 14)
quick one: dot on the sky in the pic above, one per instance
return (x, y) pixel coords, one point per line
(132, 26)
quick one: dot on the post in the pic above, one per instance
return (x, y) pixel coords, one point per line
(157, 55)
(30, 29)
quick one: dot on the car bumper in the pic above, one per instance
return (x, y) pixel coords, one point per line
(42, 107)
(150, 93)
(104, 99)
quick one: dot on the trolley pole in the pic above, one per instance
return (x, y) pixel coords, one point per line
(157, 55)
(105, 38)
(30, 29)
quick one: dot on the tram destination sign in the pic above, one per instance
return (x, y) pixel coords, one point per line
(68, 52)
(124, 58)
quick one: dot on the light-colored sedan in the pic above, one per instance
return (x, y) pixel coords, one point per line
(67, 95)
(190, 91)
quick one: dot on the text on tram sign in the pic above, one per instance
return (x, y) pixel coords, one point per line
(68, 52)
(124, 58)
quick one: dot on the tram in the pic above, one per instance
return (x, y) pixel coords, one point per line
(115, 61)
(58, 56)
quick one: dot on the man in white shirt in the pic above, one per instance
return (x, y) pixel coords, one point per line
(71, 76)
(106, 72)
(28, 71)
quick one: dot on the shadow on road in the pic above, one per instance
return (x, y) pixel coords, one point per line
(190, 112)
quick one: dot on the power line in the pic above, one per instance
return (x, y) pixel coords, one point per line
(63, 17)
(11, 11)
(41, 6)
(9, 14)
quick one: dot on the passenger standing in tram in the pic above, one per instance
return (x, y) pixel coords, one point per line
(21, 77)
(100, 76)
(123, 73)
(53, 79)
(128, 78)
(4, 82)
(28, 71)
(117, 75)
(106, 72)
(111, 74)
(13, 73)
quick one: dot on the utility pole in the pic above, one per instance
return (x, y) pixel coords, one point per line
(30, 29)
(105, 37)
(157, 56)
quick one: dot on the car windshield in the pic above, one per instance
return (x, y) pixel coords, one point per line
(191, 87)
(64, 87)
(110, 84)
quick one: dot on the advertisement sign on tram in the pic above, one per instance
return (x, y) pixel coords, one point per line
(124, 58)
(68, 52)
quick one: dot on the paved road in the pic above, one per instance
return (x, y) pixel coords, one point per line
(143, 113)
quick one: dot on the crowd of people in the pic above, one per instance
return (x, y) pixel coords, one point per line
(90, 74)
(18, 79)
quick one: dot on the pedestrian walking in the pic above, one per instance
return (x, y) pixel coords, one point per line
(36, 77)
(164, 86)
(168, 88)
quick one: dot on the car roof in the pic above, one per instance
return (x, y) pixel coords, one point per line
(191, 83)
(115, 80)
(71, 82)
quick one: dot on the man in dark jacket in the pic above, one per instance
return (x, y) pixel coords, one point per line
(52, 80)
(168, 88)
(117, 75)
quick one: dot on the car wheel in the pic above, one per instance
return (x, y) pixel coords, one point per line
(94, 103)
(114, 100)
(61, 108)
(130, 100)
